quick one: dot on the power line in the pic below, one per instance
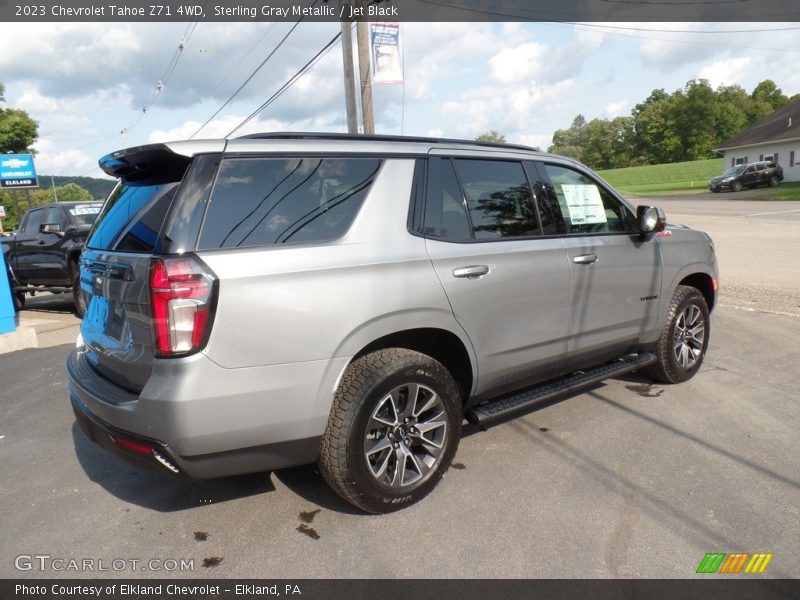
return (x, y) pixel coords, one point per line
(160, 85)
(253, 74)
(292, 80)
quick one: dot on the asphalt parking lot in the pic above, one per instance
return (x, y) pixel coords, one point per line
(630, 479)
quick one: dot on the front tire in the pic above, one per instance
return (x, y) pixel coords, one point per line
(393, 430)
(774, 181)
(684, 340)
(19, 301)
(77, 295)
(737, 186)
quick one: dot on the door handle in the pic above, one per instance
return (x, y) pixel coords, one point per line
(471, 272)
(585, 259)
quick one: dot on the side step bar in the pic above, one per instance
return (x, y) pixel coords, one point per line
(530, 398)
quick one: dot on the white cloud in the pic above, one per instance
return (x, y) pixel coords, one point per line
(616, 109)
(520, 63)
(50, 160)
(726, 71)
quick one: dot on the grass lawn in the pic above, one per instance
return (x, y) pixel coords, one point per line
(655, 180)
(687, 178)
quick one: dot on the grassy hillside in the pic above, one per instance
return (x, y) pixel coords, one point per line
(675, 178)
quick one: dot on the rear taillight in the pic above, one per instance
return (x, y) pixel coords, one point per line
(181, 296)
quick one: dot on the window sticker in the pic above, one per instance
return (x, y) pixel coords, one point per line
(584, 204)
(89, 209)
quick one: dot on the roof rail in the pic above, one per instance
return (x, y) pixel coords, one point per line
(291, 135)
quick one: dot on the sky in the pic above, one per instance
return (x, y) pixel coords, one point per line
(86, 83)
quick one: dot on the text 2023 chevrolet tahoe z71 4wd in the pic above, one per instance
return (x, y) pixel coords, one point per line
(280, 299)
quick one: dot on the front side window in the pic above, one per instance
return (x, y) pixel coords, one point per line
(499, 199)
(585, 206)
(266, 201)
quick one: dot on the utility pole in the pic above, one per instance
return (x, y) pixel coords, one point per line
(362, 32)
(349, 73)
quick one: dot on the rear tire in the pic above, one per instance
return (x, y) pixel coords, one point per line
(684, 340)
(77, 295)
(393, 430)
(774, 181)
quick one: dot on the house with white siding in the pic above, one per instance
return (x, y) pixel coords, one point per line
(776, 137)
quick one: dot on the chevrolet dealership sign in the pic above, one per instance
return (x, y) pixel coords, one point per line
(17, 171)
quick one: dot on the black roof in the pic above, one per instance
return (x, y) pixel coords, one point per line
(290, 135)
(782, 125)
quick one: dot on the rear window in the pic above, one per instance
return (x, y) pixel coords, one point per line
(85, 214)
(131, 218)
(266, 201)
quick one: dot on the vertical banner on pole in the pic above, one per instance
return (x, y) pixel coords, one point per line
(387, 67)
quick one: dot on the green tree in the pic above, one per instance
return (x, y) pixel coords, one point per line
(17, 130)
(72, 192)
(491, 136)
(569, 142)
(655, 125)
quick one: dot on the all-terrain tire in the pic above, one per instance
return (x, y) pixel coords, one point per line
(369, 385)
(687, 312)
(77, 295)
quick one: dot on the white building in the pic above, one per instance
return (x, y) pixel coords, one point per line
(776, 137)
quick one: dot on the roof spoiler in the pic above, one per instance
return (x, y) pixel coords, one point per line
(146, 165)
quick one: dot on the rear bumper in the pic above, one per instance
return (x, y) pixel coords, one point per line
(203, 420)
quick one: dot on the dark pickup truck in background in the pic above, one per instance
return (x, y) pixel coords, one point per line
(44, 253)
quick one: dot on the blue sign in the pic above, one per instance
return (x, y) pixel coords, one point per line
(17, 171)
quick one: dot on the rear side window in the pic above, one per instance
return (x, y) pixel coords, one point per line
(445, 213)
(33, 221)
(266, 201)
(499, 199)
(131, 218)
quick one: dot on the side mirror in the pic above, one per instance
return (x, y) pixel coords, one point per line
(650, 220)
(50, 228)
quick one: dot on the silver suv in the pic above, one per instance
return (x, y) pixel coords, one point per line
(280, 299)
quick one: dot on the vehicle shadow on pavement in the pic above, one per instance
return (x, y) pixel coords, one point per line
(164, 494)
(49, 303)
(307, 483)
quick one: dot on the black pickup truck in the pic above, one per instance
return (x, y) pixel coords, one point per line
(43, 255)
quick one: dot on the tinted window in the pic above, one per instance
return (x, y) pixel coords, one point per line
(585, 206)
(549, 212)
(131, 218)
(54, 215)
(33, 221)
(499, 199)
(445, 213)
(257, 201)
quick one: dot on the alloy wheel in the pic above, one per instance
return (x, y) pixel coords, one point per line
(405, 437)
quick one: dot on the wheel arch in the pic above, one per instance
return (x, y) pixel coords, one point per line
(440, 344)
(705, 284)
